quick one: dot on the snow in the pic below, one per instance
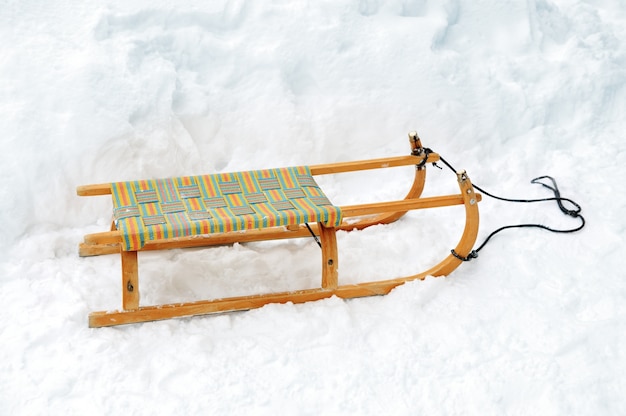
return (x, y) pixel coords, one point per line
(112, 91)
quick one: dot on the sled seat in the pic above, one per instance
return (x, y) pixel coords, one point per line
(151, 210)
(269, 204)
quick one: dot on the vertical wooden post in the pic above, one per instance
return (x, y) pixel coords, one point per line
(330, 261)
(130, 280)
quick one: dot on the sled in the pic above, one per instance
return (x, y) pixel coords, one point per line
(271, 204)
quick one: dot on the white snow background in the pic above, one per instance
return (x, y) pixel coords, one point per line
(509, 90)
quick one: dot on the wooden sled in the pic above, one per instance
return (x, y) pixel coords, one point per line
(251, 206)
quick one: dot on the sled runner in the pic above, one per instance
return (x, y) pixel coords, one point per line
(271, 204)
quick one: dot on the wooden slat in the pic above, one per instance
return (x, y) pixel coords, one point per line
(470, 231)
(106, 237)
(93, 190)
(403, 205)
(130, 280)
(203, 240)
(88, 250)
(240, 303)
(386, 162)
(154, 313)
(419, 180)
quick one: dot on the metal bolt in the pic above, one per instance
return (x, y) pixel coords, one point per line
(330, 262)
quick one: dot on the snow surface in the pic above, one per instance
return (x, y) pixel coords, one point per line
(107, 91)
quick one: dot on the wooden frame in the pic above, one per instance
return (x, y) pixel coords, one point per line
(367, 215)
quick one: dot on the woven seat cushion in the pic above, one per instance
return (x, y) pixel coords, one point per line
(166, 208)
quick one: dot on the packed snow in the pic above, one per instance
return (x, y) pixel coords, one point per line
(111, 91)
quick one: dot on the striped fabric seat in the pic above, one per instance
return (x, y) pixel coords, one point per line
(166, 208)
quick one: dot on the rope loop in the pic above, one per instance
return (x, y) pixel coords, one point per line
(574, 213)
(472, 255)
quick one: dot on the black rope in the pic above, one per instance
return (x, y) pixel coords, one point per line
(423, 151)
(317, 240)
(574, 213)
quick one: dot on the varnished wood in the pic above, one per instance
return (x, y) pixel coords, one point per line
(106, 237)
(89, 250)
(470, 231)
(130, 280)
(405, 205)
(324, 169)
(154, 313)
(415, 192)
(94, 190)
(366, 215)
(240, 303)
(330, 259)
(386, 162)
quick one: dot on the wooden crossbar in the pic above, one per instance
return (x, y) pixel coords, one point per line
(325, 169)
